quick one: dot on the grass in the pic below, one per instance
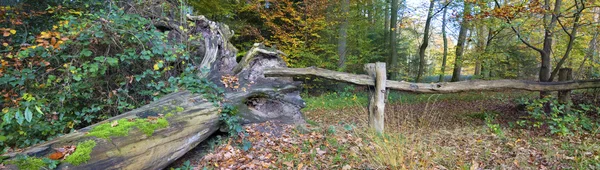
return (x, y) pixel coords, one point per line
(340, 100)
(454, 131)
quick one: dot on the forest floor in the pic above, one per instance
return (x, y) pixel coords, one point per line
(453, 131)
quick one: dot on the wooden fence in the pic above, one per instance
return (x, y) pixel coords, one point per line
(377, 79)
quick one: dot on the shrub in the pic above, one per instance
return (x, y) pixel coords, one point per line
(563, 119)
(87, 67)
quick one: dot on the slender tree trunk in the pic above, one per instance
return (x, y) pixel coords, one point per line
(480, 47)
(445, 54)
(592, 47)
(386, 31)
(462, 35)
(425, 42)
(393, 42)
(485, 66)
(343, 34)
(572, 37)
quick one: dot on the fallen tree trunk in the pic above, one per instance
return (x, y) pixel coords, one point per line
(437, 88)
(153, 136)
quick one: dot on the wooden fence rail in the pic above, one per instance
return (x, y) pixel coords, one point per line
(377, 76)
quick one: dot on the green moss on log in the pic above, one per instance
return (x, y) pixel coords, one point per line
(28, 163)
(123, 126)
(82, 153)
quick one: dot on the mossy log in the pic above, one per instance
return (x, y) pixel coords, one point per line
(141, 139)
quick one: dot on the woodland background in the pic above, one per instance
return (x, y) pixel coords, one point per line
(69, 64)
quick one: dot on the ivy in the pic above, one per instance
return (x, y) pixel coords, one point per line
(230, 120)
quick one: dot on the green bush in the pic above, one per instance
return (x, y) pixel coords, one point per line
(88, 67)
(562, 119)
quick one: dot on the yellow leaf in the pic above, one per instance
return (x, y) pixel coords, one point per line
(45, 34)
(300, 166)
(5, 44)
(75, 12)
(13, 31)
(156, 66)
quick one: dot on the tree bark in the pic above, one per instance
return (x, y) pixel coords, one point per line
(460, 45)
(386, 31)
(393, 42)
(343, 34)
(425, 42)
(193, 118)
(480, 47)
(445, 54)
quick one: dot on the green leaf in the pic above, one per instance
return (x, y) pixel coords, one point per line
(28, 115)
(2, 138)
(77, 77)
(112, 61)
(7, 117)
(86, 52)
(39, 110)
(19, 117)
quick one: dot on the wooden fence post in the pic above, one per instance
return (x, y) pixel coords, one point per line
(565, 74)
(377, 95)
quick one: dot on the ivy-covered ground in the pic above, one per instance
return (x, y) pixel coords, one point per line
(490, 130)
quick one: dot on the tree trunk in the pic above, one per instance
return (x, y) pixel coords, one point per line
(571, 42)
(386, 31)
(393, 42)
(480, 47)
(592, 46)
(191, 117)
(460, 45)
(445, 54)
(425, 42)
(343, 34)
(546, 67)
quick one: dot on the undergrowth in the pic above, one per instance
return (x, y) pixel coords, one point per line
(561, 139)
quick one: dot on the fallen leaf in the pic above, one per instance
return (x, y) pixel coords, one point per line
(346, 167)
(300, 166)
(56, 155)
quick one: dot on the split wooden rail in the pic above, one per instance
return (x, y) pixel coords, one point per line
(377, 79)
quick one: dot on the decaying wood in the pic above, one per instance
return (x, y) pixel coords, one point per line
(377, 95)
(436, 87)
(258, 99)
(186, 129)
